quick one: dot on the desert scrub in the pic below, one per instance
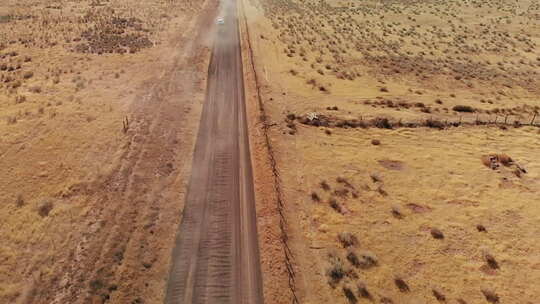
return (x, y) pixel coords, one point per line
(461, 108)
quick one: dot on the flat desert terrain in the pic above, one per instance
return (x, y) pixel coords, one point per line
(405, 137)
(99, 107)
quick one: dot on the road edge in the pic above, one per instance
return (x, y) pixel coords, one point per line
(275, 256)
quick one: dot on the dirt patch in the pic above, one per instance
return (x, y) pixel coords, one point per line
(416, 208)
(392, 164)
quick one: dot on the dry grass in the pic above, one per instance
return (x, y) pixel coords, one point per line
(69, 73)
(439, 85)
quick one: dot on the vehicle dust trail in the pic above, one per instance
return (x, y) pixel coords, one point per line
(216, 255)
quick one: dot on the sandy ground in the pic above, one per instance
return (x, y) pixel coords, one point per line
(100, 103)
(425, 215)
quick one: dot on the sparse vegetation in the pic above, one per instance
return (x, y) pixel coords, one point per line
(336, 271)
(438, 295)
(436, 234)
(347, 239)
(491, 262)
(55, 131)
(349, 294)
(461, 108)
(45, 207)
(400, 72)
(363, 291)
(19, 201)
(481, 228)
(401, 284)
(490, 296)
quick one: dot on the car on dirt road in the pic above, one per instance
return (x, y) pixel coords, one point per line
(220, 20)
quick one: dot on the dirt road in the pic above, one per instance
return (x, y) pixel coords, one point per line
(216, 256)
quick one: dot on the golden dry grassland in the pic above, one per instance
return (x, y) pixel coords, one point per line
(99, 105)
(403, 141)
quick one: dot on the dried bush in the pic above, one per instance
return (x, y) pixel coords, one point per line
(336, 272)
(438, 295)
(349, 294)
(363, 291)
(335, 205)
(401, 284)
(490, 296)
(436, 233)
(481, 228)
(347, 239)
(461, 108)
(490, 260)
(325, 186)
(397, 212)
(19, 201)
(45, 208)
(381, 123)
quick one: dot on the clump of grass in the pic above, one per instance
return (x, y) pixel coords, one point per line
(347, 239)
(401, 284)
(345, 182)
(375, 177)
(481, 228)
(28, 75)
(367, 260)
(291, 116)
(349, 294)
(397, 212)
(353, 258)
(45, 207)
(490, 296)
(341, 192)
(381, 191)
(336, 272)
(19, 201)
(491, 262)
(35, 89)
(436, 234)
(381, 123)
(363, 291)
(325, 186)
(435, 124)
(438, 295)
(335, 205)
(315, 197)
(20, 99)
(375, 142)
(386, 300)
(462, 108)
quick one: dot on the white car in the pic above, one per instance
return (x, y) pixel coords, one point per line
(220, 20)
